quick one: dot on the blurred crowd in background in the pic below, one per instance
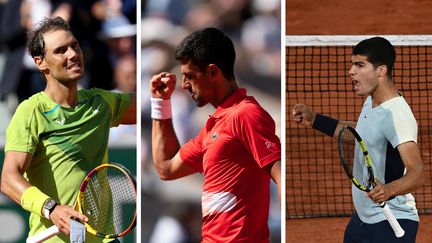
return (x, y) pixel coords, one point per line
(254, 26)
(106, 31)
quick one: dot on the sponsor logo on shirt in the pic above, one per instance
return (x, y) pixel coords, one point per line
(95, 111)
(60, 122)
(268, 144)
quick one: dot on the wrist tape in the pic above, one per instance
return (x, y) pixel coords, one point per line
(160, 109)
(325, 124)
(33, 200)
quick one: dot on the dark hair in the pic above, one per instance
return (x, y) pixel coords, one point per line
(379, 51)
(36, 43)
(208, 46)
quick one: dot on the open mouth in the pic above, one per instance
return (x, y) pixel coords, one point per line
(356, 84)
(74, 66)
(192, 93)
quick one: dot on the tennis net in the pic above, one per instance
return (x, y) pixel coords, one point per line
(317, 75)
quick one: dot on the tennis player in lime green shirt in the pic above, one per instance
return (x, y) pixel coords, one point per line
(58, 135)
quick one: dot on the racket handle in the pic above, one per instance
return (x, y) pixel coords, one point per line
(399, 232)
(44, 235)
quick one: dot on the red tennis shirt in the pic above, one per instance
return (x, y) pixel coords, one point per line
(231, 151)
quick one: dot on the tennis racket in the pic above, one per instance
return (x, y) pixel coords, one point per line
(107, 196)
(357, 164)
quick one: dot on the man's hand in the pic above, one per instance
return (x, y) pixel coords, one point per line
(162, 85)
(380, 193)
(61, 216)
(303, 114)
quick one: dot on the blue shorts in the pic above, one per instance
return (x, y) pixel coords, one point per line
(359, 232)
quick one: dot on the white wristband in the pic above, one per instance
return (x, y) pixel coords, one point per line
(160, 109)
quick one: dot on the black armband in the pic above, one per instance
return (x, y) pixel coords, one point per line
(325, 124)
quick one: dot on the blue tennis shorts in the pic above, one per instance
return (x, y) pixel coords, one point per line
(359, 232)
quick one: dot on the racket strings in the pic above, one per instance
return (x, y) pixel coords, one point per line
(109, 201)
(354, 158)
(123, 204)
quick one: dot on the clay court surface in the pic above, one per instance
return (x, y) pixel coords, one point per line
(332, 229)
(349, 17)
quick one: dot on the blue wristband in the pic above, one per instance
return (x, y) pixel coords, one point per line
(325, 124)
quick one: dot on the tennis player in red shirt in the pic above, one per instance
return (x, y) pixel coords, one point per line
(237, 151)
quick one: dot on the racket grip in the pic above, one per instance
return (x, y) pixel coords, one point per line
(44, 235)
(399, 232)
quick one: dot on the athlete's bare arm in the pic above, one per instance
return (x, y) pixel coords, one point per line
(165, 145)
(411, 180)
(303, 114)
(274, 170)
(13, 184)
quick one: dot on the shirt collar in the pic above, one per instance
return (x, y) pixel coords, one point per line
(234, 98)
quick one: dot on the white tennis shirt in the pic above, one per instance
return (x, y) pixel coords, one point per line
(383, 128)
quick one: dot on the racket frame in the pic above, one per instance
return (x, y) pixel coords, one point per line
(399, 232)
(54, 230)
(368, 160)
(83, 186)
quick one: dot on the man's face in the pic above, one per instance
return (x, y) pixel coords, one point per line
(364, 75)
(197, 83)
(63, 56)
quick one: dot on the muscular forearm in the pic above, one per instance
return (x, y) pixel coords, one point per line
(342, 124)
(164, 145)
(413, 179)
(13, 185)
